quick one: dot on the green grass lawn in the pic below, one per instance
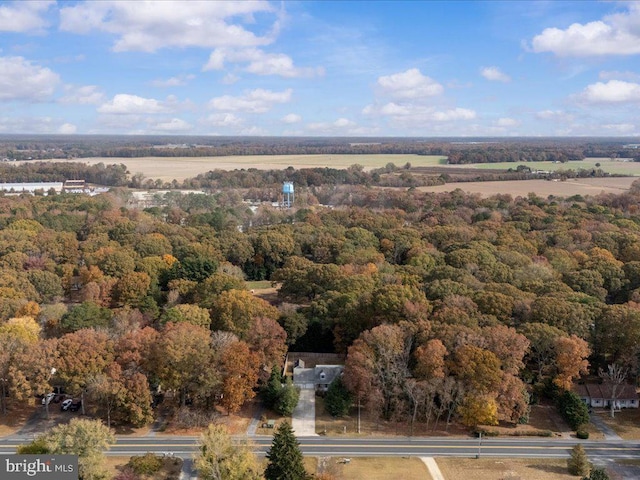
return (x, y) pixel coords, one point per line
(258, 285)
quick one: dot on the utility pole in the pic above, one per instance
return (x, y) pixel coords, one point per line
(358, 413)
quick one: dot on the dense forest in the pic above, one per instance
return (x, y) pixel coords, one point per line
(459, 150)
(448, 306)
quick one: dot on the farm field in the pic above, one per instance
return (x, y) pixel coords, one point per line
(542, 188)
(617, 166)
(180, 168)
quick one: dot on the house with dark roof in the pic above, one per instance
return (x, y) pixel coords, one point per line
(318, 378)
(600, 395)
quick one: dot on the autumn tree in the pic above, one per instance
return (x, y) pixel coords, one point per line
(86, 438)
(236, 311)
(239, 368)
(179, 356)
(219, 458)
(571, 360)
(187, 313)
(378, 362)
(478, 410)
(430, 360)
(268, 340)
(82, 356)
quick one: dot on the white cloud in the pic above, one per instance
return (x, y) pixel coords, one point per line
(341, 126)
(411, 84)
(67, 129)
(39, 125)
(255, 101)
(87, 95)
(621, 128)
(614, 91)
(224, 120)
(494, 74)
(617, 34)
(507, 122)
(177, 81)
(554, 115)
(24, 17)
(616, 75)
(419, 114)
(125, 104)
(292, 118)
(259, 62)
(344, 122)
(21, 80)
(152, 25)
(173, 125)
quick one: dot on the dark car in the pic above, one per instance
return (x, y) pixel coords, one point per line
(75, 406)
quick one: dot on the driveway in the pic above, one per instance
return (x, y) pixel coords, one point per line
(303, 419)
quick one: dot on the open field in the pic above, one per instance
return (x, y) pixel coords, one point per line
(503, 468)
(542, 188)
(617, 166)
(180, 168)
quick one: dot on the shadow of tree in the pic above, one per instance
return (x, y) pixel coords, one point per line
(549, 468)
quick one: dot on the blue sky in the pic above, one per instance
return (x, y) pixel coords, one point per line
(325, 68)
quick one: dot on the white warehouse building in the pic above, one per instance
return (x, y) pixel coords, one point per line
(31, 187)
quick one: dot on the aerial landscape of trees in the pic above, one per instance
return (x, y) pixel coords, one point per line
(448, 307)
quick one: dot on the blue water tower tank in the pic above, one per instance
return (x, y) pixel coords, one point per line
(287, 187)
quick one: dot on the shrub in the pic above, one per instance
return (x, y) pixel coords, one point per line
(597, 474)
(147, 464)
(582, 434)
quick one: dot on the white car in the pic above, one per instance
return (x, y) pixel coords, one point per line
(46, 400)
(66, 404)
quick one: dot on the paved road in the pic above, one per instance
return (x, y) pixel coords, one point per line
(403, 446)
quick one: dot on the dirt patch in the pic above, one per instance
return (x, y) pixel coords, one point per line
(542, 188)
(376, 468)
(16, 417)
(493, 469)
(170, 469)
(370, 426)
(236, 423)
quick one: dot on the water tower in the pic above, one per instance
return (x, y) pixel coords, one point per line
(288, 195)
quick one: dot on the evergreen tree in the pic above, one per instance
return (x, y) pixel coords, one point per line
(338, 399)
(272, 390)
(578, 464)
(285, 457)
(288, 398)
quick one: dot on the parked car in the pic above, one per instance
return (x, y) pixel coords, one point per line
(46, 400)
(66, 404)
(75, 406)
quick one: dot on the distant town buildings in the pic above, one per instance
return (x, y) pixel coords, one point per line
(69, 186)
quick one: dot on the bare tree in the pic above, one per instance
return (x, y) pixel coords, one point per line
(615, 376)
